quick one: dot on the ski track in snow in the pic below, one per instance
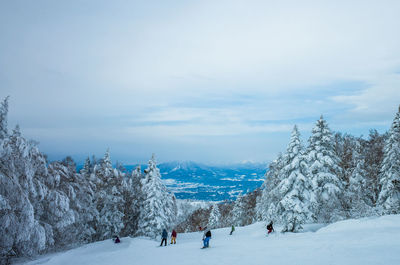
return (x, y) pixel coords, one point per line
(364, 241)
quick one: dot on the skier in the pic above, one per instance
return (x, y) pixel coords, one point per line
(173, 237)
(206, 237)
(117, 240)
(164, 236)
(270, 228)
(232, 230)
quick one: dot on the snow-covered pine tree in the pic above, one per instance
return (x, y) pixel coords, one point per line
(268, 200)
(109, 199)
(158, 207)
(214, 218)
(3, 118)
(389, 196)
(22, 169)
(325, 171)
(84, 204)
(295, 189)
(238, 211)
(132, 196)
(61, 198)
(86, 169)
(373, 151)
(356, 194)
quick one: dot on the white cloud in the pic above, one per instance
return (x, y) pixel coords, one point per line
(198, 69)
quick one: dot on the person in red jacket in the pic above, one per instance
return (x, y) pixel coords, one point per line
(270, 228)
(173, 237)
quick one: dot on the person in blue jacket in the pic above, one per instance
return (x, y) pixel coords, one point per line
(164, 237)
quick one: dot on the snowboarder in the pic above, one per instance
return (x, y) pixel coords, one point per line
(232, 230)
(206, 237)
(164, 236)
(117, 240)
(173, 237)
(270, 228)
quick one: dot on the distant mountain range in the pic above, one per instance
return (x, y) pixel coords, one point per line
(191, 180)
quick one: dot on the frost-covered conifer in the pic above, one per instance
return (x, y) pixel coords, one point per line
(267, 202)
(85, 207)
(86, 170)
(158, 207)
(389, 196)
(295, 189)
(109, 199)
(132, 196)
(373, 151)
(238, 211)
(214, 218)
(22, 169)
(3, 118)
(58, 204)
(356, 195)
(325, 171)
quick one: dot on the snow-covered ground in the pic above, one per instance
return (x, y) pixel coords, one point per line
(364, 241)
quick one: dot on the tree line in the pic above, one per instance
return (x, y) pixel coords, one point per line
(48, 206)
(334, 177)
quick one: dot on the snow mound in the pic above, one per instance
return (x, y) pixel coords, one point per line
(363, 241)
(384, 223)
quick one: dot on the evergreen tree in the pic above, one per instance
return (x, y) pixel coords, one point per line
(266, 203)
(373, 151)
(389, 197)
(109, 200)
(58, 204)
(133, 197)
(86, 170)
(22, 169)
(3, 118)
(87, 213)
(238, 211)
(356, 195)
(325, 172)
(214, 218)
(266, 208)
(295, 189)
(158, 207)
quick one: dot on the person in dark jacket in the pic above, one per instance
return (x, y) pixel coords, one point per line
(117, 240)
(206, 237)
(173, 237)
(164, 236)
(270, 228)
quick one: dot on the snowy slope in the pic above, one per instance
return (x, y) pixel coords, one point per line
(364, 241)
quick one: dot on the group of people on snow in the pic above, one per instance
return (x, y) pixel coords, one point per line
(164, 236)
(206, 235)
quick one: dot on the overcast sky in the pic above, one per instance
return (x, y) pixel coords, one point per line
(209, 81)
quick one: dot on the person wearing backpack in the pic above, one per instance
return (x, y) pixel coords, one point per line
(164, 237)
(270, 228)
(206, 237)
